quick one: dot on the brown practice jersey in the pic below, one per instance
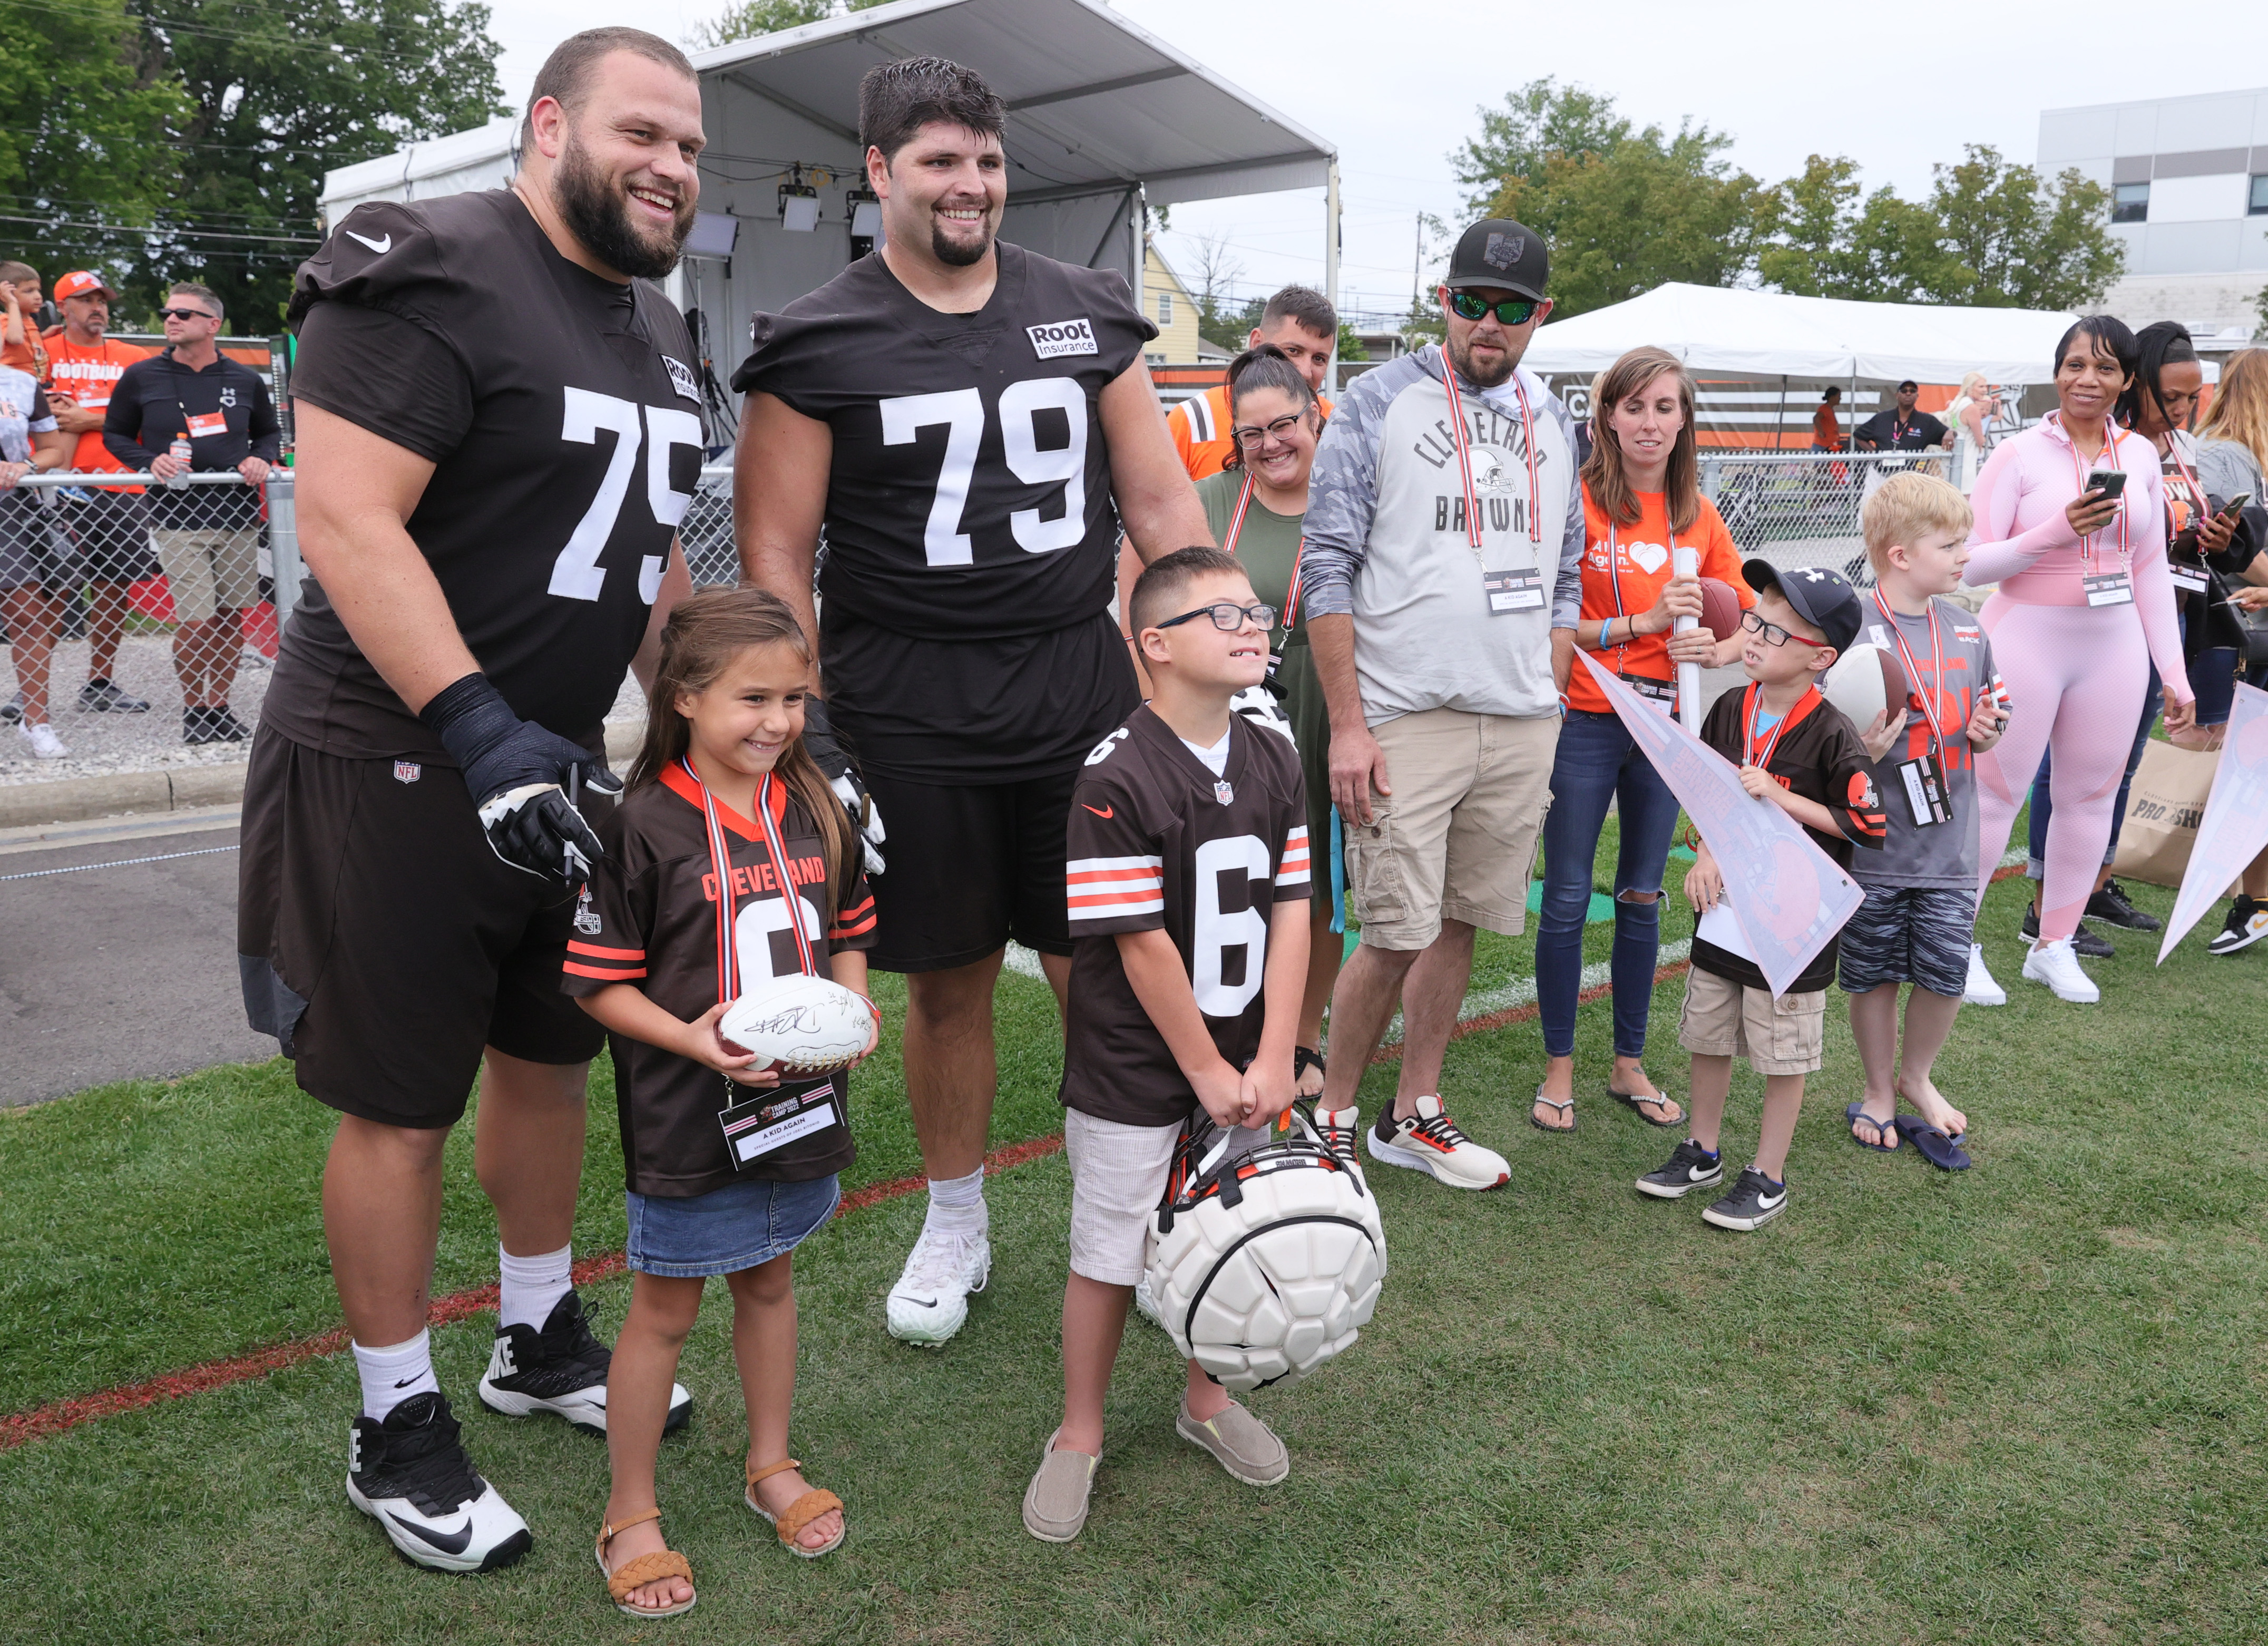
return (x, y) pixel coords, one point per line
(649, 919)
(1156, 841)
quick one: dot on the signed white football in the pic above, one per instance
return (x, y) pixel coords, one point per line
(802, 1025)
(1864, 682)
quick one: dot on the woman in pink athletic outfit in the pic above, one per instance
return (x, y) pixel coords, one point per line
(2085, 605)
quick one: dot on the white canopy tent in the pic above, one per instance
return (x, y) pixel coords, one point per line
(1102, 117)
(1771, 333)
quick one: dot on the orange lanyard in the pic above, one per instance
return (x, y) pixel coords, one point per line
(1615, 576)
(1236, 521)
(1749, 703)
(720, 864)
(1465, 456)
(2089, 550)
(1922, 695)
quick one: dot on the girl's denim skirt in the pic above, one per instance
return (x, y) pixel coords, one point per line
(728, 1230)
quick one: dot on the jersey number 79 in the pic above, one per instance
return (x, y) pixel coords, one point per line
(961, 411)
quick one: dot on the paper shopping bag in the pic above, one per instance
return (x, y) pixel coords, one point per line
(2163, 808)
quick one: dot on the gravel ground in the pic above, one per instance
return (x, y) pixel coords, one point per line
(102, 743)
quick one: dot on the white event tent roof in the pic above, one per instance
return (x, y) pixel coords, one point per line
(1771, 333)
(1102, 116)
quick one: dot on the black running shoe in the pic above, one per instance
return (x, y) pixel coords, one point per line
(2246, 925)
(100, 696)
(411, 1476)
(227, 728)
(561, 1370)
(2084, 941)
(1693, 1167)
(196, 726)
(12, 712)
(1755, 1201)
(2112, 904)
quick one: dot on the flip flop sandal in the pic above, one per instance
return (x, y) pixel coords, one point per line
(1567, 1109)
(1854, 1113)
(1634, 1099)
(634, 1575)
(1304, 1058)
(799, 1514)
(1931, 1144)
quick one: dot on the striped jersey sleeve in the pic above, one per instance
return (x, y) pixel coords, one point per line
(607, 942)
(1294, 877)
(1113, 873)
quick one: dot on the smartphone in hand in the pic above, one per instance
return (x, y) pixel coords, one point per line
(2109, 481)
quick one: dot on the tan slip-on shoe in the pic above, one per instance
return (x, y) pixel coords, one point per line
(1055, 1503)
(1246, 1447)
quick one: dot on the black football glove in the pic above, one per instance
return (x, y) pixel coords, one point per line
(525, 779)
(843, 777)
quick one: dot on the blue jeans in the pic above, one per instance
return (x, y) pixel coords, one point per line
(1597, 761)
(2043, 806)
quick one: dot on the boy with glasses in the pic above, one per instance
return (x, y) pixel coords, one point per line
(1797, 751)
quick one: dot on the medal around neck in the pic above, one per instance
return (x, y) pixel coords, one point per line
(800, 1025)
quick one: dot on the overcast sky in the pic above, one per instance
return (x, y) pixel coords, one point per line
(1394, 86)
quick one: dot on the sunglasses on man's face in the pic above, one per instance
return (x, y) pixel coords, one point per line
(1226, 618)
(184, 314)
(1513, 311)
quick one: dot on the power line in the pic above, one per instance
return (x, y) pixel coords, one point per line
(160, 232)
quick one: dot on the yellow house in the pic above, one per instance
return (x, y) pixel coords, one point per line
(1168, 305)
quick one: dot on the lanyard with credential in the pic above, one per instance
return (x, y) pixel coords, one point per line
(1615, 579)
(1749, 703)
(2090, 546)
(1925, 696)
(720, 864)
(1465, 458)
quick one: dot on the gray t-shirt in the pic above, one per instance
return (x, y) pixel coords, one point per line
(1937, 855)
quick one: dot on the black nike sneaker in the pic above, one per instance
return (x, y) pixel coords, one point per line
(410, 1475)
(2112, 904)
(1755, 1201)
(561, 1370)
(2246, 924)
(100, 696)
(2084, 941)
(1693, 1167)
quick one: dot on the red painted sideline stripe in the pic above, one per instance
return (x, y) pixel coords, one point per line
(1521, 1014)
(52, 1419)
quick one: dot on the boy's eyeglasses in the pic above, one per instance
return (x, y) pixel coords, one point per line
(1226, 618)
(1774, 635)
(184, 314)
(1514, 311)
(1252, 438)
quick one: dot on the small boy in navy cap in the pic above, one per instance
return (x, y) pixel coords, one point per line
(1801, 753)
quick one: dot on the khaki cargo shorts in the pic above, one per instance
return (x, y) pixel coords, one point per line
(1724, 1019)
(209, 571)
(1456, 840)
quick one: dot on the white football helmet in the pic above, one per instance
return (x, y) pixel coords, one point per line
(1258, 704)
(1265, 1258)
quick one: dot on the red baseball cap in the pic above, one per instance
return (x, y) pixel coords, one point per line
(78, 282)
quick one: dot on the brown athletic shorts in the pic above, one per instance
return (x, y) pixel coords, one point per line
(384, 944)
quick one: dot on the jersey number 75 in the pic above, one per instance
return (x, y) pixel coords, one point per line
(576, 574)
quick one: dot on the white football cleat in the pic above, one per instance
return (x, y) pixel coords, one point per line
(1429, 1142)
(929, 1302)
(2056, 966)
(1980, 989)
(411, 1476)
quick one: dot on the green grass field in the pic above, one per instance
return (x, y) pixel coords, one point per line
(2021, 1403)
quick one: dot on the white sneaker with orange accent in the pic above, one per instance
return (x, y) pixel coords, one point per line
(1429, 1142)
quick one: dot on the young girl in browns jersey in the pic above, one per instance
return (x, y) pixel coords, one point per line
(729, 863)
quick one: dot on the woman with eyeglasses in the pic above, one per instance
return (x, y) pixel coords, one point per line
(1255, 507)
(1642, 502)
(2071, 524)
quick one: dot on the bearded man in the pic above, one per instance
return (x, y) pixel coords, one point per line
(498, 433)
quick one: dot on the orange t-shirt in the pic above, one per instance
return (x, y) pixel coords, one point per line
(88, 375)
(1826, 432)
(1638, 570)
(1201, 430)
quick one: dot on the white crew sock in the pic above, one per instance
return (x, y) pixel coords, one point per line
(530, 1288)
(956, 1205)
(392, 1375)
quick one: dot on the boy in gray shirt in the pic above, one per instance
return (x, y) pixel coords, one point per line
(1917, 923)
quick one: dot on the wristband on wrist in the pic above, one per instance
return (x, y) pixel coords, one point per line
(456, 700)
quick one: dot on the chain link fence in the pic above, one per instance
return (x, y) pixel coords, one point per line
(1802, 508)
(706, 531)
(141, 618)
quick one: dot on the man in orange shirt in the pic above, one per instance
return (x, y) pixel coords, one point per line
(1298, 320)
(110, 525)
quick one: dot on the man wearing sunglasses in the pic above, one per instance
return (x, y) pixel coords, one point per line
(1444, 535)
(208, 537)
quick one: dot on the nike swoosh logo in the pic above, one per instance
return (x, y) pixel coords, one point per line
(926, 1302)
(405, 1382)
(1105, 812)
(449, 1542)
(1767, 1202)
(381, 246)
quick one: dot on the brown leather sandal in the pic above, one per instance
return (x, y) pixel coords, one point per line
(636, 1573)
(799, 1514)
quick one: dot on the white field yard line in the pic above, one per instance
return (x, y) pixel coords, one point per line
(1504, 996)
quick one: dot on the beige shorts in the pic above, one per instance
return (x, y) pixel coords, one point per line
(1723, 1019)
(1118, 1175)
(209, 571)
(1456, 840)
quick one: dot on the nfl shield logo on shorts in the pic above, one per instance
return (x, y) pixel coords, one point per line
(408, 772)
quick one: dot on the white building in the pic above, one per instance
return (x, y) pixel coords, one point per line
(2190, 181)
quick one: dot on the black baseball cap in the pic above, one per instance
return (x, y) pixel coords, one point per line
(1498, 252)
(1822, 598)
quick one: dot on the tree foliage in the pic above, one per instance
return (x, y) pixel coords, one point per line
(749, 19)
